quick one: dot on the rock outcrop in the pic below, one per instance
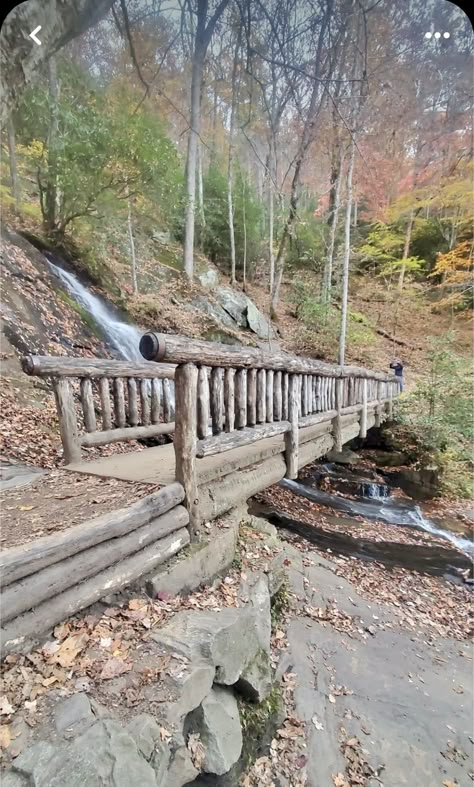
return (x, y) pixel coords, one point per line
(214, 657)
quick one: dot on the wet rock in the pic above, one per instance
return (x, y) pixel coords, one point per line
(218, 724)
(73, 714)
(388, 458)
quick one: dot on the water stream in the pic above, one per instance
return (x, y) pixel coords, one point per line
(382, 507)
(122, 336)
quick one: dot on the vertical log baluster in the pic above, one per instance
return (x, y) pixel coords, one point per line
(240, 398)
(292, 436)
(229, 399)
(132, 401)
(300, 395)
(104, 390)
(318, 394)
(186, 378)
(217, 399)
(166, 401)
(155, 401)
(277, 396)
(269, 395)
(285, 384)
(251, 397)
(67, 420)
(203, 402)
(119, 403)
(336, 424)
(261, 396)
(87, 401)
(363, 412)
(145, 401)
(378, 406)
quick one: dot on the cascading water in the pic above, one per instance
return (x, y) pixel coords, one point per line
(374, 491)
(125, 338)
(386, 509)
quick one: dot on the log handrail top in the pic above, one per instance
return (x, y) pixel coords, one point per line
(65, 366)
(160, 347)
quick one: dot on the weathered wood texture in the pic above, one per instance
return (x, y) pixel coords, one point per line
(30, 591)
(67, 421)
(63, 366)
(245, 436)
(27, 559)
(291, 437)
(185, 437)
(17, 634)
(337, 426)
(127, 433)
(182, 350)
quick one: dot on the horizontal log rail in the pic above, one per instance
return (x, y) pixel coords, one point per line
(230, 396)
(180, 349)
(102, 401)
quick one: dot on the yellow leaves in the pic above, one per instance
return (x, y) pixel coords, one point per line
(35, 150)
(5, 736)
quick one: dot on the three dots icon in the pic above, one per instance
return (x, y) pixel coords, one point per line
(437, 35)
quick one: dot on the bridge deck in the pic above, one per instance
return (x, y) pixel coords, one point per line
(157, 465)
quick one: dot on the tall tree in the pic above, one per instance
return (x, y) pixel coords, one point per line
(204, 30)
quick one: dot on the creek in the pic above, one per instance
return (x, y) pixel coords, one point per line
(356, 494)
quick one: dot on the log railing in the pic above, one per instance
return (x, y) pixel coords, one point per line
(230, 396)
(105, 401)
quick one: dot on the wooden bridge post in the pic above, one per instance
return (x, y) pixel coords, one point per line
(390, 399)
(67, 420)
(185, 438)
(363, 412)
(378, 406)
(292, 437)
(336, 424)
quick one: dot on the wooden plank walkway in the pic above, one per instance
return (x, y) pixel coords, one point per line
(157, 465)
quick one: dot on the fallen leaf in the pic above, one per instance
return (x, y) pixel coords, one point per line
(196, 750)
(26, 508)
(5, 736)
(70, 648)
(113, 668)
(339, 780)
(5, 707)
(331, 698)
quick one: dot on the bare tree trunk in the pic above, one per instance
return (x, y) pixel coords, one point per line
(191, 160)
(51, 196)
(201, 42)
(307, 137)
(406, 249)
(12, 163)
(202, 214)
(347, 253)
(230, 166)
(244, 220)
(271, 233)
(131, 244)
(328, 264)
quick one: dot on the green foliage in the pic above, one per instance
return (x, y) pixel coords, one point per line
(440, 412)
(383, 251)
(321, 323)
(307, 246)
(214, 235)
(103, 154)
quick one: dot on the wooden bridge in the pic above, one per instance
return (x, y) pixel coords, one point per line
(241, 418)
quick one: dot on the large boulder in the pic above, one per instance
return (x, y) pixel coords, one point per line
(215, 311)
(104, 756)
(258, 323)
(244, 312)
(217, 722)
(230, 640)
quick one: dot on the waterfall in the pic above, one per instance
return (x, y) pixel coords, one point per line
(123, 337)
(374, 491)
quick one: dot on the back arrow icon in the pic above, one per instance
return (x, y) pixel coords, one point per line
(34, 37)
